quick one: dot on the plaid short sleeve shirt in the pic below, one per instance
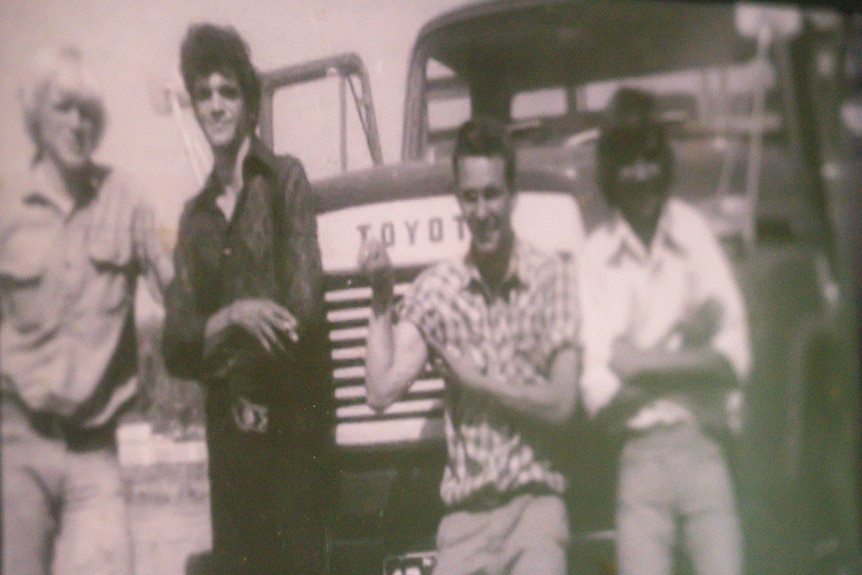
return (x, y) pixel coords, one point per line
(513, 335)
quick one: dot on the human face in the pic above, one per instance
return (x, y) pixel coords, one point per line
(67, 127)
(486, 203)
(220, 109)
(641, 191)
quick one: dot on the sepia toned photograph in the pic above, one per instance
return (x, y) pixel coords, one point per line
(436, 287)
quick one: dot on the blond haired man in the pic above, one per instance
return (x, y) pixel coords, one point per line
(73, 240)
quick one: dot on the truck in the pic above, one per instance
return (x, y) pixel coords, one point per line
(752, 96)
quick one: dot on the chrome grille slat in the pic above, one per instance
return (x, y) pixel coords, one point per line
(418, 415)
(412, 407)
(349, 334)
(356, 390)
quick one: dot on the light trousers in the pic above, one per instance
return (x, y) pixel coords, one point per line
(63, 509)
(526, 536)
(674, 483)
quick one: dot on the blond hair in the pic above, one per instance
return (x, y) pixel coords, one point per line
(62, 68)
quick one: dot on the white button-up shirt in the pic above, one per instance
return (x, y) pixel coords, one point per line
(642, 294)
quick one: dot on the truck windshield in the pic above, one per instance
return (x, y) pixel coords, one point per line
(730, 108)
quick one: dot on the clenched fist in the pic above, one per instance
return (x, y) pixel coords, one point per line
(375, 265)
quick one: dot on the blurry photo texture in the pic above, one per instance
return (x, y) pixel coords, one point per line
(788, 216)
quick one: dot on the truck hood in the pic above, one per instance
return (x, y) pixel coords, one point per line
(410, 208)
(415, 180)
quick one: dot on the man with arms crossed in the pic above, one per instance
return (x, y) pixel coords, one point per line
(502, 323)
(245, 317)
(73, 241)
(666, 342)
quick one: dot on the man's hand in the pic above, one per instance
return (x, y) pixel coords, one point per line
(458, 366)
(375, 265)
(468, 373)
(625, 358)
(700, 325)
(264, 320)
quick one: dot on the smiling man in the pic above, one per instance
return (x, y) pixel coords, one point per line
(501, 325)
(73, 241)
(245, 317)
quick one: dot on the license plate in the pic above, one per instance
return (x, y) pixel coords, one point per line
(410, 564)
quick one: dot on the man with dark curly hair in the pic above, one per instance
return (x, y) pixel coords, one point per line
(245, 317)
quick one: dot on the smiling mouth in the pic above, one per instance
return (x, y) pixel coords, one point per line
(78, 145)
(485, 233)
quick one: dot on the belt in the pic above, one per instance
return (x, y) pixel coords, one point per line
(52, 426)
(487, 499)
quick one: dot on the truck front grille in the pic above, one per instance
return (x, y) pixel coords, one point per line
(417, 416)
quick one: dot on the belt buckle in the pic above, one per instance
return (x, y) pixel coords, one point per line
(249, 416)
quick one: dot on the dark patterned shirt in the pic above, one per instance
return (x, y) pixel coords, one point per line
(512, 335)
(268, 250)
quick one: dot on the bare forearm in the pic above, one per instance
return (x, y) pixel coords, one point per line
(550, 400)
(396, 352)
(539, 401)
(379, 354)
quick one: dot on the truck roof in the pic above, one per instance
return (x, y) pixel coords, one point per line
(580, 41)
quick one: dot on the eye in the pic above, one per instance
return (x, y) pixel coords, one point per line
(491, 193)
(229, 92)
(469, 196)
(65, 105)
(202, 93)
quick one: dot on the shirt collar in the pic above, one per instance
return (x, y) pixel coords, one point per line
(47, 186)
(258, 159)
(517, 274)
(625, 242)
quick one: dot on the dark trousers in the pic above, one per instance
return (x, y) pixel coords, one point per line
(267, 500)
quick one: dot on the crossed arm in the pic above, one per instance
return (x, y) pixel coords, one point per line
(659, 370)
(548, 399)
(693, 368)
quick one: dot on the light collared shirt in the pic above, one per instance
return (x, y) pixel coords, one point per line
(511, 334)
(67, 284)
(643, 293)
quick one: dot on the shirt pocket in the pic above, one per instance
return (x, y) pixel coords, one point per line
(109, 290)
(23, 264)
(23, 304)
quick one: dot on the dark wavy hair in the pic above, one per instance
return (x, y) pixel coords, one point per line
(629, 130)
(485, 136)
(208, 48)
